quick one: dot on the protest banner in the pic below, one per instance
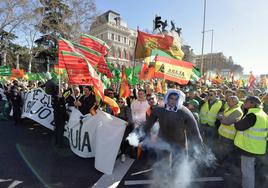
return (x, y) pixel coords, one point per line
(96, 136)
(37, 106)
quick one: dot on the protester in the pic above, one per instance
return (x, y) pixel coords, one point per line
(73, 97)
(3, 103)
(265, 102)
(175, 121)
(208, 116)
(125, 114)
(193, 106)
(87, 101)
(193, 94)
(250, 139)
(16, 101)
(152, 101)
(227, 131)
(111, 94)
(227, 94)
(59, 110)
(138, 108)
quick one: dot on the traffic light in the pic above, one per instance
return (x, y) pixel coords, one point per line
(157, 22)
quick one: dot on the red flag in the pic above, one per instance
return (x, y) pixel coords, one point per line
(65, 45)
(98, 46)
(81, 72)
(18, 73)
(76, 69)
(94, 43)
(124, 88)
(146, 42)
(147, 72)
(103, 68)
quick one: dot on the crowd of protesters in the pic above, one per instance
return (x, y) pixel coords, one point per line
(232, 120)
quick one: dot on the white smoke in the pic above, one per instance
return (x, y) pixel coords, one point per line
(180, 170)
(133, 139)
(179, 174)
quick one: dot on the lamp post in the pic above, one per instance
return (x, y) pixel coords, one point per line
(203, 37)
(211, 46)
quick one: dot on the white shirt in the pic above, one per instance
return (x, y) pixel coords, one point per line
(138, 111)
(169, 108)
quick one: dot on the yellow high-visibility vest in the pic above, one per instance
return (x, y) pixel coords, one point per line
(229, 131)
(209, 116)
(253, 140)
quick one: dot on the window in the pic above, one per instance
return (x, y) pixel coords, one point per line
(125, 54)
(112, 36)
(125, 40)
(118, 38)
(131, 57)
(119, 53)
(101, 36)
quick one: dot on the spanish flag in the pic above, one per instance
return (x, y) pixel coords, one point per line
(173, 69)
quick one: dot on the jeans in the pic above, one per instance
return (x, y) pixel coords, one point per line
(248, 171)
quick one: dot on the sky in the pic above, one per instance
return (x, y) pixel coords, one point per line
(240, 26)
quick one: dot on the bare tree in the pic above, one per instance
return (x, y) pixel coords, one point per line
(83, 14)
(13, 13)
(31, 33)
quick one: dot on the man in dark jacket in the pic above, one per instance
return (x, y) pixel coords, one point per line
(17, 103)
(59, 110)
(175, 121)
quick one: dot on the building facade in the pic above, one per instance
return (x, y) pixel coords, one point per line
(217, 62)
(110, 28)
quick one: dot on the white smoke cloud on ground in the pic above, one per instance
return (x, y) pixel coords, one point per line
(184, 167)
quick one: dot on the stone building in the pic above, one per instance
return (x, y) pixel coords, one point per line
(110, 28)
(217, 62)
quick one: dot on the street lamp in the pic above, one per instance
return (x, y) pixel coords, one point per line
(203, 37)
(211, 47)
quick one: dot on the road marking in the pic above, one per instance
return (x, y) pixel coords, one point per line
(144, 182)
(112, 181)
(141, 172)
(3, 180)
(14, 184)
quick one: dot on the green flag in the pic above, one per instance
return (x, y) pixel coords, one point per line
(195, 75)
(132, 74)
(5, 71)
(116, 73)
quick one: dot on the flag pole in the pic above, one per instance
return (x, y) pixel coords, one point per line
(135, 52)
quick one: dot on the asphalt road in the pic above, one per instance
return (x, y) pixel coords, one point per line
(28, 158)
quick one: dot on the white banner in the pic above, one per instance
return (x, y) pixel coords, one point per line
(37, 106)
(96, 136)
